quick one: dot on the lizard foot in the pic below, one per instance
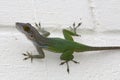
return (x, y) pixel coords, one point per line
(42, 30)
(29, 55)
(74, 27)
(68, 70)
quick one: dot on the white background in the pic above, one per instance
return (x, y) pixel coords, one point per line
(100, 27)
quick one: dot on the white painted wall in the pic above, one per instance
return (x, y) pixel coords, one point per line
(100, 27)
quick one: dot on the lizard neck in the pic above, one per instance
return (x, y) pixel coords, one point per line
(41, 40)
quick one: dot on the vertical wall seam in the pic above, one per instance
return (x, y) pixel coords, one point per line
(34, 11)
(93, 11)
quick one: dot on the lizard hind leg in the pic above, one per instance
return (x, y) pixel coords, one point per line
(74, 28)
(67, 56)
(72, 32)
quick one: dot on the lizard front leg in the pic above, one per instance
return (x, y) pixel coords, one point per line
(42, 30)
(29, 55)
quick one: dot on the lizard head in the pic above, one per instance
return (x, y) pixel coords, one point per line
(28, 30)
(31, 33)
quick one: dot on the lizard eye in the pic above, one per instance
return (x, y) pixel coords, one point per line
(26, 28)
(31, 35)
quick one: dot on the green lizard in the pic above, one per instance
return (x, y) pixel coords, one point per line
(65, 46)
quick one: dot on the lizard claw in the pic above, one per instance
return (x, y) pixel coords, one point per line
(29, 55)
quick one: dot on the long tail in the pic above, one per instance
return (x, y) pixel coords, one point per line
(102, 48)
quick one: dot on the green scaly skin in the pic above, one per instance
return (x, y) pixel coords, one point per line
(65, 46)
